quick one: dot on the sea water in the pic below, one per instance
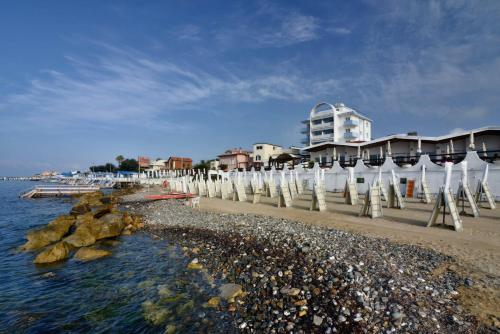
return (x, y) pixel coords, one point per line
(143, 287)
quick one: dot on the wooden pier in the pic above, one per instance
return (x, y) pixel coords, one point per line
(59, 190)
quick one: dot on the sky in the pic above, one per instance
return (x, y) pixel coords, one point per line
(84, 81)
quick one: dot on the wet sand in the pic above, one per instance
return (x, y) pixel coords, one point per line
(477, 247)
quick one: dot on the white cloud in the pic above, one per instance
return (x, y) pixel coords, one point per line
(339, 30)
(269, 26)
(123, 85)
(189, 32)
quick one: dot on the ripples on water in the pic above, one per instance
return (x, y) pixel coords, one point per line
(105, 295)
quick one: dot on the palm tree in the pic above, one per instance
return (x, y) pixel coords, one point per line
(119, 159)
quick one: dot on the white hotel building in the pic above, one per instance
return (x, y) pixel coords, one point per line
(337, 132)
(336, 123)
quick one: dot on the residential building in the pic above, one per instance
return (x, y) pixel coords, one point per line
(406, 148)
(291, 156)
(174, 163)
(158, 164)
(144, 162)
(262, 152)
(234, 158)
(335, 123)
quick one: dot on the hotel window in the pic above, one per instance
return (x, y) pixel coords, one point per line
(258, 148)
(328, 131)
(328, 120)
(257, 158)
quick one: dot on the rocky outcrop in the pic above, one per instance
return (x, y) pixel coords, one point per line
(89, 229)
(93, 218)
(80, 209)
(56, 252)
(103, 210)
(91, 199)
(53, 232)
(90, 253)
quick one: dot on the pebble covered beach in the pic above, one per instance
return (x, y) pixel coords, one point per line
(286, 276)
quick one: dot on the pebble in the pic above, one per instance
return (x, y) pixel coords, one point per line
(292, 276)
(317, 321)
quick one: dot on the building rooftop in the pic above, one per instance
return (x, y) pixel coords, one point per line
(406, 137)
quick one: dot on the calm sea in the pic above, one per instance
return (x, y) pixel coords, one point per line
(143, 279)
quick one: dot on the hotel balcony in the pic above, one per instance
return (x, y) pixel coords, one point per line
(328, 125)
(322, 114)
(322, 138)
(350, 123)
(350, 135)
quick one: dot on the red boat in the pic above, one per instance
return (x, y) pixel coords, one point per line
(172, 195)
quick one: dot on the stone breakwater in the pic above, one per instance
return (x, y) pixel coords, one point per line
(95, 217)
(302, 279)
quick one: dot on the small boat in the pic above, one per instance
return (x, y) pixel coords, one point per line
(172, 195)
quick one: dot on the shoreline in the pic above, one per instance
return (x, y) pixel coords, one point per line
(299, 277)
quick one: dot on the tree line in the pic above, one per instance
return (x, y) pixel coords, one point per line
(123, 164)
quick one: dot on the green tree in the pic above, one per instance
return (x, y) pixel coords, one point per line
(202, 165)
(119, 159)
(129, 165)
(109, 167)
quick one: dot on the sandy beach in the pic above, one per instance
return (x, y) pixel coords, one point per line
(302, 271)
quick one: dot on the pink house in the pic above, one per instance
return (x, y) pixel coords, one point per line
(234, 158)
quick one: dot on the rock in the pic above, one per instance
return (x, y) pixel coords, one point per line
(80, 209)
(50, 274)
(127, 231)
(213, 302)
(164, 291)
(90, 253)
(395, 316)
(100, 211)
(185, 308)
(469, 282)
(57, 252)
(290, 291)
(82, 237)
(170, 329)
(230, 290)
(53, 232)
(91, 199)
(194, 265)
(341, 318)
(108, 226)
(154, 313)
(317, 321)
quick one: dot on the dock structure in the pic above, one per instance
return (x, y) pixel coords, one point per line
(59, 190)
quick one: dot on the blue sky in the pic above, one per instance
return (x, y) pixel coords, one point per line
(81, 82)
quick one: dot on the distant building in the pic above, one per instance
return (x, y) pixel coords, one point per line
(335, 123)
(234, 158)
(144, 162)
(174, 163)
(262, 152)
(159, 164)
